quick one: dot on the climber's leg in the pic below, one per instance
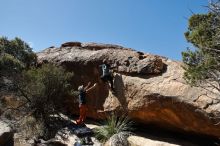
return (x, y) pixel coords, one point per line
(82, 114)
(103, 78)
(111, 82)
(110, 79)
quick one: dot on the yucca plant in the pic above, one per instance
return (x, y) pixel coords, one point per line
(115, 130)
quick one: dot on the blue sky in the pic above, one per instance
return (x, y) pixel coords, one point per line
(154, 26)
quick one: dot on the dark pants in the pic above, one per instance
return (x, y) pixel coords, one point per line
(107, 78)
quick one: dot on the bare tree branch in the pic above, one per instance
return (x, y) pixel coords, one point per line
(23, 93)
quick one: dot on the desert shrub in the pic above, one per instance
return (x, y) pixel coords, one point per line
(31, 127)
(44, 90)
(202, 63)
(40, 91)
(15, 56)
(10, 63)
(18, 49)
(115, 130)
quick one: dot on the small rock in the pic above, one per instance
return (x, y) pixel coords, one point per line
(6, 134)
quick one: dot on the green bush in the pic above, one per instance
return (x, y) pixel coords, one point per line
(15, 56)
(9, 63)
(41, 91)
(202, 65)
(19, 50)
(44, 89)
(115, 130)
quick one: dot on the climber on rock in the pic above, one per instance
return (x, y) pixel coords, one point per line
(106, 73)
(82, 101)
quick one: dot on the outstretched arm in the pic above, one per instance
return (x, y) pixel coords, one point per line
(91, 88)
(87, 86)
(113, 67)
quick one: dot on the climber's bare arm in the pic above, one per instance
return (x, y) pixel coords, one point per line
(87, 86)
(91, 88)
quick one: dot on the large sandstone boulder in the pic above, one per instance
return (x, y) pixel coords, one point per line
(150, 88)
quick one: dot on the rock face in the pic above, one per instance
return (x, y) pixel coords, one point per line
(6, 134)
(139, 141)
(150, 88)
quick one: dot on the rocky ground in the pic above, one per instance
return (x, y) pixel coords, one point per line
(6, 134)
(67, 137)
